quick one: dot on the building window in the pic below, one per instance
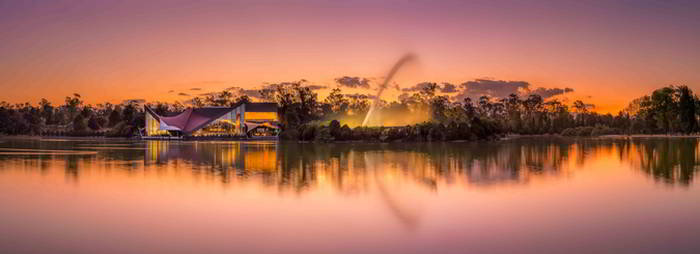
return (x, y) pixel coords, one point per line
(220, 127)
(153, 127)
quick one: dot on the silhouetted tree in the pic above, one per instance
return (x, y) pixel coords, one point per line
(686, 108)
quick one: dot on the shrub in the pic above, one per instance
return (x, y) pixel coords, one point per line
(345, 133)
(323, 134)
(93, 123)
(588, 131)
(289, 134)
(79, 123)
(121, 129)
(308, 132)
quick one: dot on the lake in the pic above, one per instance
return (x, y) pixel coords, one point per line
(514, 196)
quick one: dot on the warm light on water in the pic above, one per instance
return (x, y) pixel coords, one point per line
(526, 195)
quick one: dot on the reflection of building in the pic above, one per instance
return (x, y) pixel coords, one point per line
(243, 119)
(221, 155)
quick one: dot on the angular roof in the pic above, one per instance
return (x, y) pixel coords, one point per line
(191, 119)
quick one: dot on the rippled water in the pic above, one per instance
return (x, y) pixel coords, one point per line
(523, 195)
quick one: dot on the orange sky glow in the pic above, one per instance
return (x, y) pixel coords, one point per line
(609, 53)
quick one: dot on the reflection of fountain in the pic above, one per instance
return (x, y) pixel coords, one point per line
(407, 217)
(383, 86)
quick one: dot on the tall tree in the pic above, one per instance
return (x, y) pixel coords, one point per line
(46, 111)
(686, 108)
(664, 108)
(72, 105)
(337, 101)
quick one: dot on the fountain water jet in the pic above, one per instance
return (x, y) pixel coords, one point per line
(392, 72)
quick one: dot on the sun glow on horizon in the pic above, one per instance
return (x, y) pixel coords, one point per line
(108, 51)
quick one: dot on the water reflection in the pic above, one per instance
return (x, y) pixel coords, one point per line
(672, 161)
(351, 168)
(250, 197)
(219, 155)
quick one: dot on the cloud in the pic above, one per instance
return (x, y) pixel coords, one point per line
(171, 91)
(233, 89)
(353, 82)
(418, 87)
(502, 88)
(188, 102)
(202, 83)
(237, 91)
(493, 88)
(316, 87)
(195, 89)
(252, 93)
(184, 94)
(133, 101)
(211, 82)
(359, 96)
(448, 88)
(550, 92)
(443, 88)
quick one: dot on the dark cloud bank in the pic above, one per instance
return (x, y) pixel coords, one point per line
(502, 88)
(443, 88)
(353, 82)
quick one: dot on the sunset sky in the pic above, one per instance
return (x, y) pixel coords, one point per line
(608, 52)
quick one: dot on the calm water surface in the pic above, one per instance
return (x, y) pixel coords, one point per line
(523, 196)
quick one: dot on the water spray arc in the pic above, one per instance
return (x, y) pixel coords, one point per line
(389, 76)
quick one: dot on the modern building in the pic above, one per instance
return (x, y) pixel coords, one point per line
(240, 120)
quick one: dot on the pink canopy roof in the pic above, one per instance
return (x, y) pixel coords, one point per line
(191, 119)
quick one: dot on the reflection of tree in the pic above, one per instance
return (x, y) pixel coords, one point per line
(425, 163)
(482, 164)
(72, 171)
(342, 166)
(672, 161)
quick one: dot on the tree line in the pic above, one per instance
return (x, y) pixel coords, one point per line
(668, 110)
(423, 115)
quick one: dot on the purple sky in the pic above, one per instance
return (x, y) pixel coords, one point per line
(609, 52)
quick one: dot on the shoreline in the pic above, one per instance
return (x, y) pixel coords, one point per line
(651, 136)
(504, 138)
(25, 137)
(98, 138)
(514, 136)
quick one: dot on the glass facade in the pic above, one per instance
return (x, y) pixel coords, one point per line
(224, 126)
(153, 127)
